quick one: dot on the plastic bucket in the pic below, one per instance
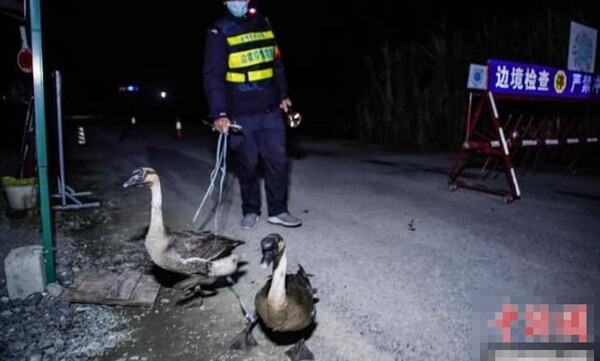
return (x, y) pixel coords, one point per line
(22, 194)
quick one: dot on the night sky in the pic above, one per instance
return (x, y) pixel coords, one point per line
(99, 45)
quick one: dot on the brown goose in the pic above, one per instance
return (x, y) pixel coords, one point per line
(285, 303)
(203, 256)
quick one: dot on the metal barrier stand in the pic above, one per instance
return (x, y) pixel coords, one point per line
(67, 195)
(551, 116)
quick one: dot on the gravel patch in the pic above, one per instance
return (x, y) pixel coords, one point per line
(44, 327)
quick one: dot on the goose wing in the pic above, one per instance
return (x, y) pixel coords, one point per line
(299, 289)
(203, 245)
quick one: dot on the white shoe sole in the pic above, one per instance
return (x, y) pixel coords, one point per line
(275, 220)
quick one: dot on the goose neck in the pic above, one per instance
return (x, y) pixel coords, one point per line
(277, 291)
(156, 216)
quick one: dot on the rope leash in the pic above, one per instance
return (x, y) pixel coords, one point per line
(248, 315)
(220, 167)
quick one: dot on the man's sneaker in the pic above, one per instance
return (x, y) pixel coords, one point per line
(250, 220)
(285, 219)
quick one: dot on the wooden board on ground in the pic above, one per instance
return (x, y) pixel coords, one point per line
(129, 289)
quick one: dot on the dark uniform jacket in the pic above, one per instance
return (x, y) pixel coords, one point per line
(243, 71)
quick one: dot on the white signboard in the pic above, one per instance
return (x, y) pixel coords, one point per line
(477, 77)
(582, 48)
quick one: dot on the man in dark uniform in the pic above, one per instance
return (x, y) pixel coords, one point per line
(244, 81)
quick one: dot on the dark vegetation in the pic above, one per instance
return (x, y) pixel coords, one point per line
(416, 95)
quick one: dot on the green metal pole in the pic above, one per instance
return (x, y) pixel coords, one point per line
(40, 136)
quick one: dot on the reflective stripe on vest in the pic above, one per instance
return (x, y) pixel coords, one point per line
(251, 52)
(255, 75)
(245, 58)
(250, 37)
(235, 77)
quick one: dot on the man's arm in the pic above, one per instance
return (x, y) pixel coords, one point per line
(280, 76)
(215, 67)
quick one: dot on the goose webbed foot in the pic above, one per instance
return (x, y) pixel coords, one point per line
(195, 297)
(244, 340)
(299, 352)
(190, 293)
(193, 281)
(192, 288)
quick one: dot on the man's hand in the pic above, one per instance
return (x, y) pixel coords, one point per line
(285, 104)
(221, 124)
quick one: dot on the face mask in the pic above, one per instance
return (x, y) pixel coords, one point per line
(237, 8)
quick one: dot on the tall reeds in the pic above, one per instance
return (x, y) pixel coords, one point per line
(416, 96)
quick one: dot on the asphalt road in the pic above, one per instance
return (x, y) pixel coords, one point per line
(405, 269)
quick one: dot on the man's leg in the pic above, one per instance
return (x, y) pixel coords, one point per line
(274, 158)
(246, 156)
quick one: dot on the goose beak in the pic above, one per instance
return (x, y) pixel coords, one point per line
(136, 180)
(131, 182)
(268, 247)
(267, 258)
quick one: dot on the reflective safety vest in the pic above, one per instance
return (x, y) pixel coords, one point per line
(251, 53)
